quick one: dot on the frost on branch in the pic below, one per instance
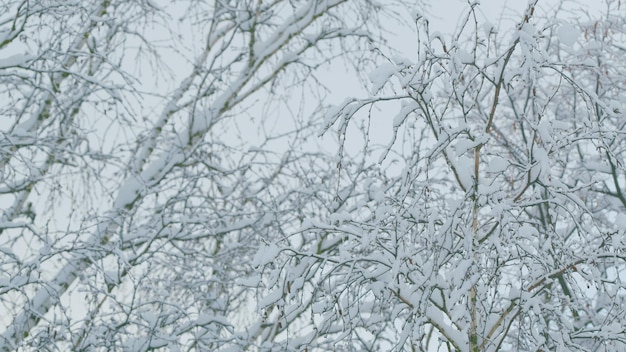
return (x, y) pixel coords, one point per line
(494, 218)
(148, 153)
(169, 179)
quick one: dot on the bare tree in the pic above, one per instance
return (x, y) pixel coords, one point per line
(501, 225)
(130, 216)
(155, 197)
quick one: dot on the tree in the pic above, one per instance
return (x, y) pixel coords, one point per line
(504, 227)
(195, 219)
(130, 215)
